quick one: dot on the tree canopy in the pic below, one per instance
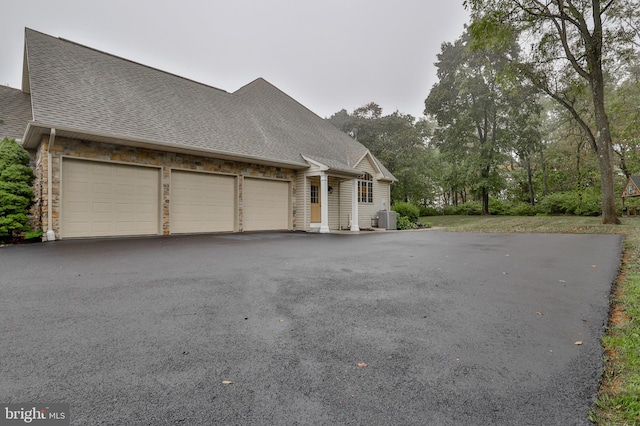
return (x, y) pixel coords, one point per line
(398, 141)
(483, 113)
(568, 46)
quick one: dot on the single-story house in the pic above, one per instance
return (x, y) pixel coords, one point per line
(120, 148)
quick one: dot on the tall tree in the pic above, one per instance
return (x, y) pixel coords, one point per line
(482, 112)
(569, 41)
(398, 141)
(622, 106)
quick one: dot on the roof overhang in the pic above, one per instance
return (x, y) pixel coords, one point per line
(35, 131)
(317, 167)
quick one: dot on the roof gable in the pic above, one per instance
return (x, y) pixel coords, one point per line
(381, 172)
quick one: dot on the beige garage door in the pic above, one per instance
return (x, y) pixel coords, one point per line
(266, 205)
(202, 202)
(105, 199)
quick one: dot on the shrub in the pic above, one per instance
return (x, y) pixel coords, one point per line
(16, 195)
(590, 204)
(450, 210)
(470, 208)
(499, 207)
(407, 210)
(586, 203)
(559, 203)
(31, 235)
(403, 222)
(522, 209)
(429, 211)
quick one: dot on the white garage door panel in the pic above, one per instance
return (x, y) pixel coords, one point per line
(266, 205)
(105, 199)
(202, 202)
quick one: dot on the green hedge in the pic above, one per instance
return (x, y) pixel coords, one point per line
(571, 203)
(408, 210)
(586, 203)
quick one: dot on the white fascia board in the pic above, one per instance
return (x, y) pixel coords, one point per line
(315, 164)
(374, 163)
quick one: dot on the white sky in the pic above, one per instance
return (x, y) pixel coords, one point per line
(327, 54)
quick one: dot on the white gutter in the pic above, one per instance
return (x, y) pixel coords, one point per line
(51, 236)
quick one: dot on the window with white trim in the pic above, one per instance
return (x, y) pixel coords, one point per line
(365, 189)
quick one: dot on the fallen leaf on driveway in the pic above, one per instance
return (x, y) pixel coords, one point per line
(362, 364)
(578, 343)
(227, 382)
(562, 281)
(539, 313)
(593, 266)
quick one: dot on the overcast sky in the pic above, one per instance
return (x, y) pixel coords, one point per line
(327, 54)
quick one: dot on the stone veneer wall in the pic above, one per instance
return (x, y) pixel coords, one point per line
(130, 155)
(35, 212)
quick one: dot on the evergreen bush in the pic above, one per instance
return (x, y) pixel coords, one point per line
(16, 195)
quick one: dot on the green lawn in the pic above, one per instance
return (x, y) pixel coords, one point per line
(618, 400)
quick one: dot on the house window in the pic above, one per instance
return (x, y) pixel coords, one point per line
(314, 194)
(630, 190)
(365, 188)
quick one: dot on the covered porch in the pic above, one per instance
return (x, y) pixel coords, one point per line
(332, 202)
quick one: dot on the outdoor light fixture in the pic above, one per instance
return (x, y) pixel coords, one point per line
(331, 190)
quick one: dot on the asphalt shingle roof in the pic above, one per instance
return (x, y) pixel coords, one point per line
(77, 87)
(15, 112)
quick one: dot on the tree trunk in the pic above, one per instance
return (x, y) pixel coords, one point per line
(485, 201)
(604, 141)
(532, 195)
(623, 165)
(545, 186)
(605, 161)
(485, 191)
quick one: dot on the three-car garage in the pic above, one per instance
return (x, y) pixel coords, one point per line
(100, 198)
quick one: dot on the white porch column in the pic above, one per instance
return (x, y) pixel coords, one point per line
(324, 205)
(354, 206)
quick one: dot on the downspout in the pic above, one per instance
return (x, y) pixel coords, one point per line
(51, 236)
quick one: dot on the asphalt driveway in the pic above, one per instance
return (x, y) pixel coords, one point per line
(372, 329)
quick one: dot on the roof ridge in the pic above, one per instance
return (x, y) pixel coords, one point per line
(127, 60)
(261, 79)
